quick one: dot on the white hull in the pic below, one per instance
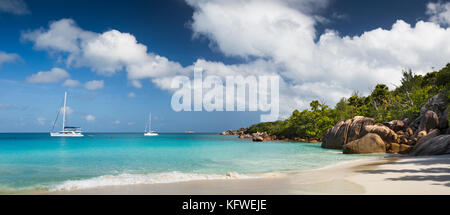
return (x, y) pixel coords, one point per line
(150, 134)
(148, 129)
(66, 135)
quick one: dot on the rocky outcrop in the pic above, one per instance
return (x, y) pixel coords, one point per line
(439, 105)
(403, 139)
(388, 135)
(404, 149)
(336, 137)
(438, 145)
(396, 135)
(361, 134)
(433, 133)
(409, 131)
(345, 131)
(428, 121)
(421, 134)
(396, 125)
(245, 136)
(240, 131)
(357, 126)
(258, 139)
(432, 121)
(370, 143)
(443, 120)
(262, 136)
(393, 148)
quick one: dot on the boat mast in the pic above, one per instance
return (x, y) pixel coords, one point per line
(146, 126)
(64, 112)
(150, 122)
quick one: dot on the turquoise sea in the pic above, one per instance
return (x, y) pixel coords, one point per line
(37, 162)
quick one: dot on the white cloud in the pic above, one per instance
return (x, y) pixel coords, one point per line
(131, 123)
(90, 118)
(17, 7)
(272, 38)
(131, 95)
(41, 120)
(63, 35)
(309, 7)
(71, 83)
(256, 28)
(54, 75)
(439, 13)
(8, 57)
(117, 122)
(105, 53)
(94, 85)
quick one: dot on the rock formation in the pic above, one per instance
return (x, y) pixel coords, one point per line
(438, 145)
(439, 105)
(433, 133)
(388, 135)
(396, 125)
(240, 131)
(428, 121)
(427, 134)
(345, 131)
(370, 143)
(362, 135)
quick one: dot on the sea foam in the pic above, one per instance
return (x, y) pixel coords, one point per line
(134, 179)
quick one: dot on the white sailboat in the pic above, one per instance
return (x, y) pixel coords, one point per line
(148, 128)
(66, 131)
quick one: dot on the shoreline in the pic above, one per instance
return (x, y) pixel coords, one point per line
(380, 175)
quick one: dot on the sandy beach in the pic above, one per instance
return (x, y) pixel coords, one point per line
(387, 175)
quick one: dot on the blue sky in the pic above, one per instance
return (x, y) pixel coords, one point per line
(187, 33)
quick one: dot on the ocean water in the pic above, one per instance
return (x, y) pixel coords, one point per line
(37, 162)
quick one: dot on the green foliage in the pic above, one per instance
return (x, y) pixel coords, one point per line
(443, 80)
(308, 123)
(382, 105)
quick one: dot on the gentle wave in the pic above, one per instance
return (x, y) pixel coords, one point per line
(133, 179)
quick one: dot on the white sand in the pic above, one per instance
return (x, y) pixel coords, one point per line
(416, 175)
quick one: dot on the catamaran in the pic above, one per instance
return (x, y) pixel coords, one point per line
(148, 128)
(67, 131)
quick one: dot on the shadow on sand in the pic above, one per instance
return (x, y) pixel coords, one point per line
(443, 161)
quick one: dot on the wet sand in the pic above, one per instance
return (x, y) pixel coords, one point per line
(389, 175)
